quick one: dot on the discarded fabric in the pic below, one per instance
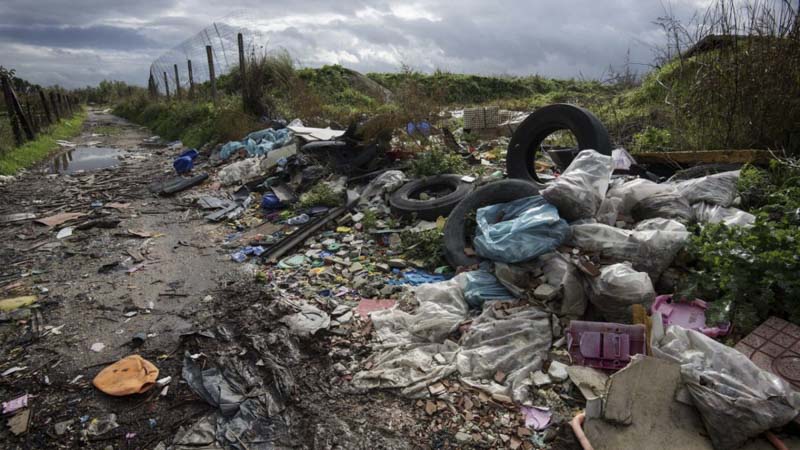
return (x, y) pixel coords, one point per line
(258, 143)
(130, 375)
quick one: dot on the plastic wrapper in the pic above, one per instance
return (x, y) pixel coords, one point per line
(617, 289)
(660, 224)
(518, 231)
(710, 213)
(386, 182)
(560, 272)
(719, 189)
(736, 399)
(481, 287)
(580, 190)
(258, 143)
(622, 159)
(632, 192)
(650, 250)
(608, 211)
(666, 205)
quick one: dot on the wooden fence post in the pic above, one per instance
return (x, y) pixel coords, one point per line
(177, 84)
(151, 86)
(26, 125)
(53, 103)
(191, 79)
(212, 78)
(166, 84)
(31, 117)
(12, 116)
(240, 40)
(45, 107)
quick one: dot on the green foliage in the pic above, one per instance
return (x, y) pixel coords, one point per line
(370, 220)
(34, 151)
(424, 246)
(321, 194)
(652, 139)
(436, 161)
(749, 273)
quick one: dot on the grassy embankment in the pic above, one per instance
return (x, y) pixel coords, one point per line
(30, 153)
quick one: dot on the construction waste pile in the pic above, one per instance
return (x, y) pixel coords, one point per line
(555, 322)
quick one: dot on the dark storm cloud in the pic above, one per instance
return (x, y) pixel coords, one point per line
(96, 37)
(115, 39)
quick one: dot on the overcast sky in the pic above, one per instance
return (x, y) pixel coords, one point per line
(81, 42)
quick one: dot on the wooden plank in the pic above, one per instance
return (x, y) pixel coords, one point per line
(212, 78)
(704, 157)
(56, 111)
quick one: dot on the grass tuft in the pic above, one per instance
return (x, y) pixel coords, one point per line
(34, 151)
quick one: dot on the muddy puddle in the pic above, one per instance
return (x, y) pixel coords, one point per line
(84, 159)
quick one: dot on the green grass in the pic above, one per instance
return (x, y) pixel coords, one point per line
(34, 151)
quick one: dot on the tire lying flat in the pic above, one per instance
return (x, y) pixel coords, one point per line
(587, 129)
(455, 233)
(404, 201)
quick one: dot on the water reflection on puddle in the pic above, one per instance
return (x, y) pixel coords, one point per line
(81, 159)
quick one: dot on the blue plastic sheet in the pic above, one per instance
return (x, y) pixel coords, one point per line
(258, 143)
(416, 277)
(519, 231)
(482, 286)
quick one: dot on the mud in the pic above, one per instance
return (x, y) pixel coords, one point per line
(106, 284)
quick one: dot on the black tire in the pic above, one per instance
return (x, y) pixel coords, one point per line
(587, 129)
(703, 170)
(405, 204)
(455, 233)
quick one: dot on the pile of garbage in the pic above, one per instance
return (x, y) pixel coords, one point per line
(558, 305)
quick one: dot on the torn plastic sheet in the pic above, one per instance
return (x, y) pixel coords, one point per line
(513, 339)
(518, 231)
(737, 400)
(665, 205)
(580, 190)
(481, 287)
(248, 411)
(649, 250)
(387, 182)
(561, 272)
(240, 171)
(719, 189)
(307, 321)
(632, 192)
(518, 278)
(617, 289)
(710, 213)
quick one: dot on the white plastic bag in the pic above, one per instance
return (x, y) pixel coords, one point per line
(617, 289)
(665, 205)
(562, 273)
(719, 189)
(737, 400)
(580, 190)
(649, 250)
(710, 213)
(632, 192)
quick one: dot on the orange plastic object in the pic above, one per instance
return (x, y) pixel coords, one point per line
(577, 427)
(130, 375)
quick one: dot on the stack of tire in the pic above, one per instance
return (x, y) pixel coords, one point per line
(463, 201)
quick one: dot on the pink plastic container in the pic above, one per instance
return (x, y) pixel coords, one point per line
(603, 345)
(689, 315)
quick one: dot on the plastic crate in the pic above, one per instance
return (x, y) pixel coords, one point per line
(603, 345)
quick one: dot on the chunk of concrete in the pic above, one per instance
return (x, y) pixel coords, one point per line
(541, 379)
(592, 384)
(558, 371)
(642, 396)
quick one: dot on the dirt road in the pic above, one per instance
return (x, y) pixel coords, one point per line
(142, 274)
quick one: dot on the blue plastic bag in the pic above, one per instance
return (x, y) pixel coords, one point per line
(519, 231)
(482, 286)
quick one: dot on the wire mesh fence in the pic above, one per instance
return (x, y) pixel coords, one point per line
(222, 39)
